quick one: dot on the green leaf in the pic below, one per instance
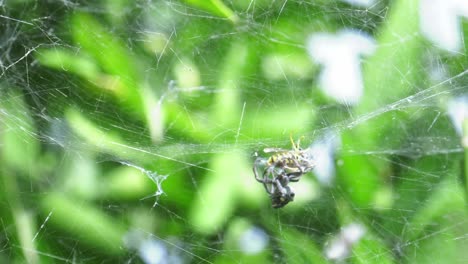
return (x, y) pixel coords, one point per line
(383, 76)
(188, 124)
(84, 221)
(216, 7)
(359, 176)
(465, 146)
(227, 107)
(18, 139)
(282, 66)
(445, 242)
(370, 244)
(112, 57)
(97, 41)
(390, 71)
(371, 250)
(104, 139)
(447, 199)
(412, 195)
(278, 122)
(22, 219)
(216, 200)
(126, 183)
(66, 60)
(299, 248)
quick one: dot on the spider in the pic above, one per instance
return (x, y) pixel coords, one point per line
(283, 194)
(281, 168)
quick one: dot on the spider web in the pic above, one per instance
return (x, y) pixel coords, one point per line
(128, 131)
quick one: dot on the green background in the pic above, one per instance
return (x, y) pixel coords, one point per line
(132, 121)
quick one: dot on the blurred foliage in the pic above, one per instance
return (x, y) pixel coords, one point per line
(126, 124)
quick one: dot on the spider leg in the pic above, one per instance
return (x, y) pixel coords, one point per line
(283, 195)
(293, 173)
(282, 180)
(298, 166)
(269, 182)
(280, 186)
(289, 192)
(255, 168)
(294, 176)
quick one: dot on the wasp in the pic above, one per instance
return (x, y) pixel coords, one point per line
(281, 168)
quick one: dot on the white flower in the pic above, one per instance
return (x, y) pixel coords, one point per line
(341, 245)
(253, 241)
(362, 3)
(458, 112)
(341, 76)
(323, 151)
(440, 22)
